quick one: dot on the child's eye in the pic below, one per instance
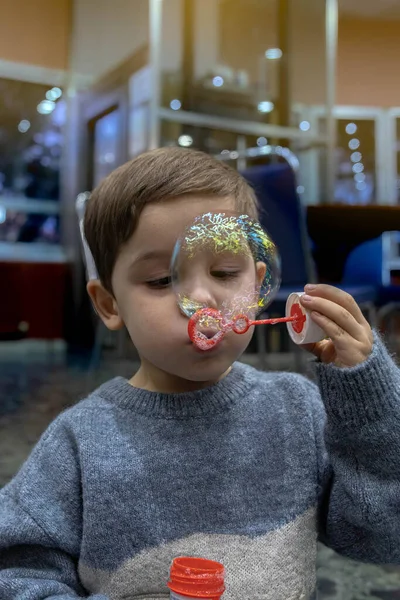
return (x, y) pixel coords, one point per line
(164, 282)
(225, 274)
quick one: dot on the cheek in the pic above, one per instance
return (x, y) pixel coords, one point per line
(151, 314)
(239, 342)
(246, 337)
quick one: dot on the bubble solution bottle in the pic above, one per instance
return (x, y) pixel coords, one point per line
(196, 579)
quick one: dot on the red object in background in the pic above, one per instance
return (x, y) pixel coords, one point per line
(32, 294)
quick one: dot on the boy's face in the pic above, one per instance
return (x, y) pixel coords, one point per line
(147, 304)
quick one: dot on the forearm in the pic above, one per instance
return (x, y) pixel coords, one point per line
(361, 513)
(32, 565)
(361, 396)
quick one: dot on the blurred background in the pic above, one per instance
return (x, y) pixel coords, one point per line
(302, 96)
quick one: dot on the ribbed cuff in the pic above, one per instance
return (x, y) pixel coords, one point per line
(362, 394)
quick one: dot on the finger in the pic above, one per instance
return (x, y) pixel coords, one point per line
(335, 313)
(339, 336)
(319, 348)
(337, 296)
(314, 348)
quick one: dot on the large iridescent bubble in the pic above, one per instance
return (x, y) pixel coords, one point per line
(225, 261)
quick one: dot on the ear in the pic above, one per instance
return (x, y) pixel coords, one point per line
(261, 270)
(105, 305)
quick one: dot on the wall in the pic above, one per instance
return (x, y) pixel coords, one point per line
(35, 32)
(106, 32)
(368, 62)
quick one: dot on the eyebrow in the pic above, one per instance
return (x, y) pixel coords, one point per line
(151, 255)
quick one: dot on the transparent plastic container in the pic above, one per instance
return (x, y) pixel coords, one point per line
(196, 579)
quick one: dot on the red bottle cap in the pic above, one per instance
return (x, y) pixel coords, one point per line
(197, 578)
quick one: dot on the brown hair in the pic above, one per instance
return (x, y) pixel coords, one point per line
(115, 205)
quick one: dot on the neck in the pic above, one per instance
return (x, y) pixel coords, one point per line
(152, 379)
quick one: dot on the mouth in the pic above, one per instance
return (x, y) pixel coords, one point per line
(208, 341)
(208, 332)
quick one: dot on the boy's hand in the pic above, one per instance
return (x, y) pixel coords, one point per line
(337, 313)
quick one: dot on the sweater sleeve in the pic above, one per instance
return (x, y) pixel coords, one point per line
(40, 524)
(358, 437)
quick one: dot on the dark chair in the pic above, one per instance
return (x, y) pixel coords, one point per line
(370, 264)
(283, 216)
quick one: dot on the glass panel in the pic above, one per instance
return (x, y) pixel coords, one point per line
(105, 146)
(208, 71)
(17, 226)
(31, 140)
(248, 60)
(244, 59)
(356, 177)
(208, 140)
(356, 162)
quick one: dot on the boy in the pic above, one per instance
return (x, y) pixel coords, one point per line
(198, 454)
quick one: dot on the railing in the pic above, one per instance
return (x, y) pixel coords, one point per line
(258, 152)
(32, 206)
(240, 127)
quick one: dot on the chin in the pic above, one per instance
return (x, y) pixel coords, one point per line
(210, 377)
(209, 368)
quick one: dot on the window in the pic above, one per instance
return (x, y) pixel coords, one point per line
(31, 140)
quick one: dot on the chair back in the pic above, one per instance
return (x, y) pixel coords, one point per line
(283, 216)
(365, 263)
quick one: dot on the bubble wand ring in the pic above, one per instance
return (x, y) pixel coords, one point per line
(199, 339)
(240, 324)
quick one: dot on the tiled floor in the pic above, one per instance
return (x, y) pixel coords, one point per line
(36, 384)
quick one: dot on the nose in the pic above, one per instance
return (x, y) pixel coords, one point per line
(201, 294)
(198, 287)
(190, 302)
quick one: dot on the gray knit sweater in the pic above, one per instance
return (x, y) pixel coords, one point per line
(248, 472)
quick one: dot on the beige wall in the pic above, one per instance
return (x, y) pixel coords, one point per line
(35, 32)
(368, 62)
(106, 32)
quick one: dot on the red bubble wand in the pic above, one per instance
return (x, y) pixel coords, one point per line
(239, 324)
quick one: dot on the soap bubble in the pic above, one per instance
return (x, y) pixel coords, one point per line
(227, 262)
